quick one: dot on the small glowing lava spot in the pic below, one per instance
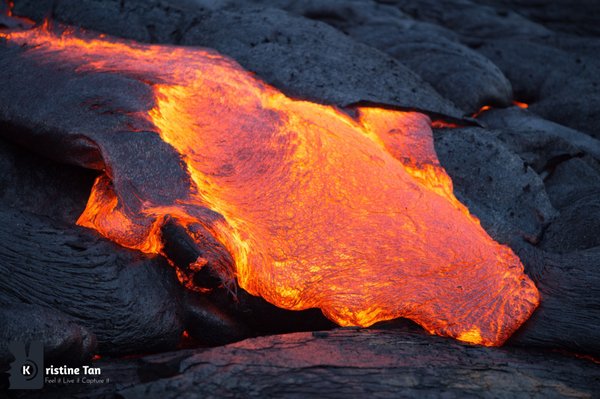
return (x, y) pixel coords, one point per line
(482, 110)
(520, 104)
(472, 336)
(440, 124)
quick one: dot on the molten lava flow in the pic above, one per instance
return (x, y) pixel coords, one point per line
(353, 215)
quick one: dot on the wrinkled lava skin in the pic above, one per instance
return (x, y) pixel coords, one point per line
(347, 212)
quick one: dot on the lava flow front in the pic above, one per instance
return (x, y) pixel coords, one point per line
(347, 212)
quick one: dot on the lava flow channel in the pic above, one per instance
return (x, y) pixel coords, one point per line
(350, 213)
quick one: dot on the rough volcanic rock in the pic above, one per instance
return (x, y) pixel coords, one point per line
(34, 184)
(303, 58)
(569, 311)
(347, 363)
(568, 161)
(496, 185)
(471, 20)
(215, 318)
(460, 74)
(264, 318)
(455, 71)
(578, 225)
(570, 177)
(557, 73)
(64, 340)
(146, 21)
(340, 364)
(586, 47)
(574, 188)
(309, 59)
(128, 300)
(577, 17)
(209, 324)
(560, 86)
(35, 98)
(527, 78)
(538, 141)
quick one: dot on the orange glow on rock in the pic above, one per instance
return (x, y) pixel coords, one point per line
(353, 215)
(520, 104)
(440, 124)
(482, 110)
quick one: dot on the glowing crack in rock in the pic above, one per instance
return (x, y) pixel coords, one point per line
(347, 212)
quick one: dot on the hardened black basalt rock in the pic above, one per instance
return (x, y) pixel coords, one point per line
(303, 58)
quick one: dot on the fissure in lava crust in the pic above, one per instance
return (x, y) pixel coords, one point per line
(316, 208)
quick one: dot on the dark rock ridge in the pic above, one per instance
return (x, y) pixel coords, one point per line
(128, 300)
(435, 53)
(303, 58)
(340, 364)
(63, 339)
(497, 186)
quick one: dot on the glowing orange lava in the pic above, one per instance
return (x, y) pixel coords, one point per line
(440, 124)
(353, 215)
(520, 104)
(481, 111)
